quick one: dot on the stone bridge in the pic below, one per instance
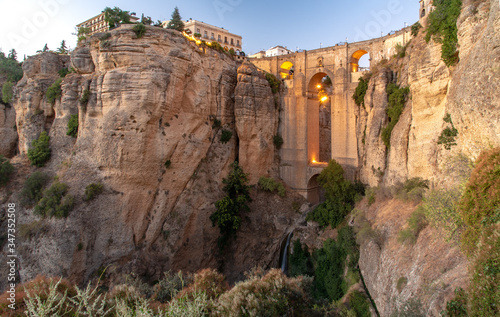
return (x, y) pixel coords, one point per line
(314, 130)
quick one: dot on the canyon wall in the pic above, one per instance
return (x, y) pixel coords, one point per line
(151, 100)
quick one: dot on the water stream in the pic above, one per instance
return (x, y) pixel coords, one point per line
(284, 254)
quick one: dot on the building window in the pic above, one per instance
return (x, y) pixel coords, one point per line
(198, 31)
(238, 43)
(219, 38)
(232, 41)
(205, 34)
(225, 39)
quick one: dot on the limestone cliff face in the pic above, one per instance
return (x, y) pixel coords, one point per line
(151, 100)
(469, 92)
(8, 131)
(256, 122)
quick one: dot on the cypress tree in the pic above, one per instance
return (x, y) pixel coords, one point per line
(176, 21)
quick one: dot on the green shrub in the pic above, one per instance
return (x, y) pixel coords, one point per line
(7, 92)
(396, 102)
(412, 189)
(416, 223)
(39, 153)
(273, 82)
(443, 28)
(54, 91)
(227, 215)
(169, 286)
(481, 199)
(278, 141)
(359, 303)
(32, 188)
(168, 163)
(217, 123)
(93, 190)
(402, 281)
(400, 50)
(84, 100)
(55, 202)
(300, 262)
(270, 185)
(139, 30)
(340, 195)
(63, 72)
(415, 28)
(457, 307)
(226, 136)
(360, 92)
(441, 210)
(372, 195)
(448, 135)
(6, 170)
(73, 126)
(232, 52)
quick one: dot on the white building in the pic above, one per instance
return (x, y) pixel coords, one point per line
(277, 51)
(210, 33)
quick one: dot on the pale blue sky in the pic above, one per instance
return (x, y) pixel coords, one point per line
(28, 24)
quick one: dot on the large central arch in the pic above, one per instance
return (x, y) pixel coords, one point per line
(319, 118)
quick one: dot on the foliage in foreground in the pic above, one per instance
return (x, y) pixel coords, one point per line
(227, 215)
(73, 126)
(360, 92)
(32, 188)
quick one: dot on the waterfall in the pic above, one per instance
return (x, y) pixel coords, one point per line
(284, 257)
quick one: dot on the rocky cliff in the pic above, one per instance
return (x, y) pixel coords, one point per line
(429, 271)
(150, 100)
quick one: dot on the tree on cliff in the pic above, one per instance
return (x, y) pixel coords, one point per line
(13, 55)
(63, 49)
(114, 17)
(227, 216)
(176, 22)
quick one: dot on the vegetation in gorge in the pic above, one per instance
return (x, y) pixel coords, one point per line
(273, 82)
(271, 185)
(448, 135)
(6, 170)
(360, 92)
(396, 97)
(227, 215)
(73, 126)
(443, 28)
(56, 202)
(340, 196)
(54, 91)
(39, 152)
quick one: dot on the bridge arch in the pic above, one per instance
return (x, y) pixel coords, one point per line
(319, 110)
(355, 57)
(315, 193)
(286, 70)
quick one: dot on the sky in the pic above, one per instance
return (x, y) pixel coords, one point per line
(27, 25)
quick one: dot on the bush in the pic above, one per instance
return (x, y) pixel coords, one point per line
(84, 100)
(217, 123)
(300, 262)
(169, 286)
(360, 92)
(39, 153)
(7, 92)
(32, 188)
(54, 91)
(278, 141)
(402, 281)
(139, 30)
(273, 82)
(227, 215)
(63, 72)
(6, 170)
(55, 202)
(412, 189)
(400, 51)
(359, 303)
(340, 195)
(396, 102)
(415, 28)
(480, 203)
(270, 185)
(443, 28)
(441, 210)
(416, 223)
(448, 135)
(73, 126)
(168, 163)
(226, 136)
(92, 191)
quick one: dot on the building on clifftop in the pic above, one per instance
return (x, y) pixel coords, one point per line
(97, 24)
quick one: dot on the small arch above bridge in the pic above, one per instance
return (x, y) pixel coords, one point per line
(355, 58)
(286, 70)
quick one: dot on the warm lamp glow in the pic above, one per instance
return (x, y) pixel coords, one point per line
(318, 86)
(314, 161)
(324, 98)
